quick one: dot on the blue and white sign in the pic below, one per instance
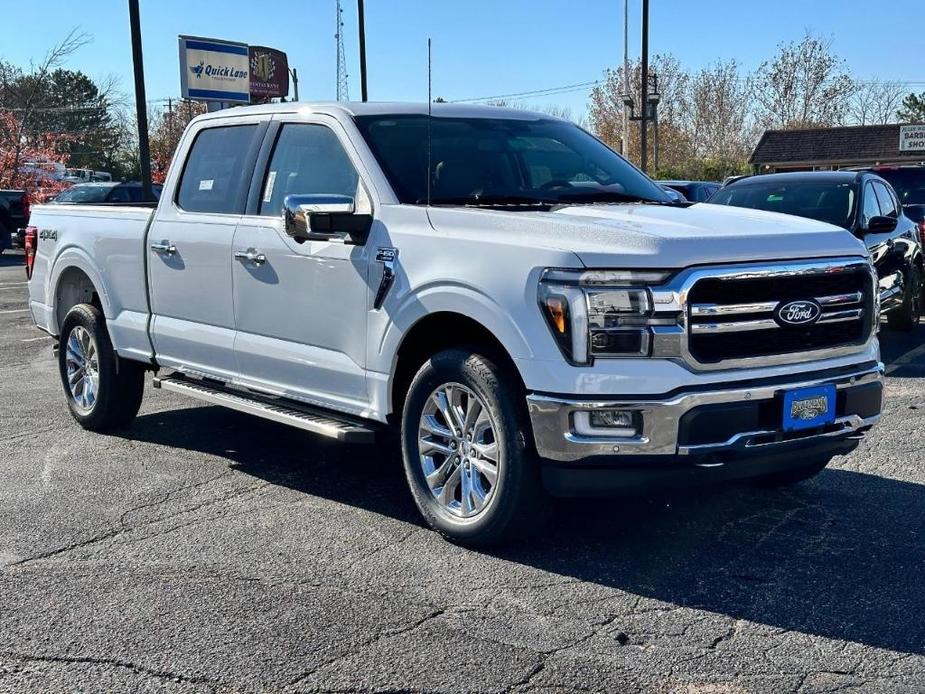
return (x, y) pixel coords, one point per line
(214, 70)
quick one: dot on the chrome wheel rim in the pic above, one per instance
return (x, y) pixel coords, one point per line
(458, 450)
(82, 368)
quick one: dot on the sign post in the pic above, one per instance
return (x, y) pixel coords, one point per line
(214, 70)
(141, 105)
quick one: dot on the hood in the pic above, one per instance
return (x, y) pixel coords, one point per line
(654, 236)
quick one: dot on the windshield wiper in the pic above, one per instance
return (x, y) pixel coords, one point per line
(607, 196)
(490, 201)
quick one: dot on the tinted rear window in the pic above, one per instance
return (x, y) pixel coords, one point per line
(84, 194)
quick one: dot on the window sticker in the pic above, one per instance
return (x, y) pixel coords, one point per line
(268, 191)
(206, 184)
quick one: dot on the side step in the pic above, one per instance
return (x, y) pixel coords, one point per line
(311, 419)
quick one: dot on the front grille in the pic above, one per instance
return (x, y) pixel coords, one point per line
(734, 317)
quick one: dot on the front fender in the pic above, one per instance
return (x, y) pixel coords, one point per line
(449, 298)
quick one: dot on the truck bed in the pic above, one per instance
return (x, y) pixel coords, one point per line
(107, 244)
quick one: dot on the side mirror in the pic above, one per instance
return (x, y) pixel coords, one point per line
(325, 218)
(880, 225)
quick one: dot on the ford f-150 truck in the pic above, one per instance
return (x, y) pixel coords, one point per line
(530, 311)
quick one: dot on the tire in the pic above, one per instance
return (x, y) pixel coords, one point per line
(509, 507)
(906, 317)
(114, 396)
(786, 478)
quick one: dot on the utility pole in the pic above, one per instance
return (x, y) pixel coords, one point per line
(141, 103)
(361, 20)
(644, 122)
(624, 150)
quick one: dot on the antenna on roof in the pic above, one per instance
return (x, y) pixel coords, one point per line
(430, 103)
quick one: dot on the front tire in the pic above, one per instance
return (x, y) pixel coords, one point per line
(906, 317)
(103, 392)
(466, 453)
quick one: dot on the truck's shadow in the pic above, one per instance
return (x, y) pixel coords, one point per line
(841, 556)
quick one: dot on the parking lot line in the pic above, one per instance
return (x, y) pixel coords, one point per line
(16, 310)
(36, 339)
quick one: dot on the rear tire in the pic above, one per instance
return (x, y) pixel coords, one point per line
(103, 392)
(906, 317)
(786, 478)
(477, 482)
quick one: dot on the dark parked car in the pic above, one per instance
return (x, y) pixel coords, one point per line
(14, 214)
(695, 191)
(864, 204)
(108, 192)
(909, 184)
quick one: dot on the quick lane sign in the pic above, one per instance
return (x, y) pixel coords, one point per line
(911, 138)
(214, 70)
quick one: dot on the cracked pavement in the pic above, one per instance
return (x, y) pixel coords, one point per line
(202, 550)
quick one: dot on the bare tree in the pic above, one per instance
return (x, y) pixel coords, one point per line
(875, 102)
(18, 131)
(721, 131)
(804, 85)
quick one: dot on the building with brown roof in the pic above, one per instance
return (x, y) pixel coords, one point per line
(835, 148)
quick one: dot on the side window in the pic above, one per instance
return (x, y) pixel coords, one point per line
(887, 202)
(308, 159)
(871, 207)
(214, 172)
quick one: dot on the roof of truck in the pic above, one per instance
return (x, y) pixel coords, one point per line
(377, 108)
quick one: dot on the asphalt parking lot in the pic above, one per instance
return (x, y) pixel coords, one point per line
(203, 550)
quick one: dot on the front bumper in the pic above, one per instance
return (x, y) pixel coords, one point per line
(704, 427)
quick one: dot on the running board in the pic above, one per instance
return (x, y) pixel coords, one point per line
(315, 420)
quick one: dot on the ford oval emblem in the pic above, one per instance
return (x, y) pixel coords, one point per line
(804, 312)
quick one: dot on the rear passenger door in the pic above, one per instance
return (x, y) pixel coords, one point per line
(189, 248)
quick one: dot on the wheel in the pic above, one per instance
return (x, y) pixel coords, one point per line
(466, 453)
(906, 317)
(785, 478)
(103, 392)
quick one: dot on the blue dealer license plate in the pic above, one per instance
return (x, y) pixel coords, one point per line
(807, 408)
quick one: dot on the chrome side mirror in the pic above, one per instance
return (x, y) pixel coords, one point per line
(324, 218)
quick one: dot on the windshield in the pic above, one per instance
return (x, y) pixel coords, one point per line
(909, 184)
(830, 202)
(83, 194)
(486, 161)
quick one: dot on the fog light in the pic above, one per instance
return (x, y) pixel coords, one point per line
(611, 423)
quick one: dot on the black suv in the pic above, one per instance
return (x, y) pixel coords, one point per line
(864, 204)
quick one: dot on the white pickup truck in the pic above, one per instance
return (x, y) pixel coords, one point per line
(530, 311)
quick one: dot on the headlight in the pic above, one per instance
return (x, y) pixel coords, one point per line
(601, 313)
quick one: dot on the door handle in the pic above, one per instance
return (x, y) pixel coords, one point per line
(250, 256)
(163, 247)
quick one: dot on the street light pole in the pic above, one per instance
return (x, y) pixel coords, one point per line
(141, 103)
(361, 20)
(624, 150)
(644, 122)
(295, 82)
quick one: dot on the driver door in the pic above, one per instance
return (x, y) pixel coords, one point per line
(301, 308)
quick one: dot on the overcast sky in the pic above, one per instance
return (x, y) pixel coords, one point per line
(481, 47)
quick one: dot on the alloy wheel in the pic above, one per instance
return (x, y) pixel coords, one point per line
(459, 453)
(83, 375)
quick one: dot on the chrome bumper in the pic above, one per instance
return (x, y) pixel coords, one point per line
(557, 439)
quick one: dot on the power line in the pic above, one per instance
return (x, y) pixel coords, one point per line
(534, 92)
